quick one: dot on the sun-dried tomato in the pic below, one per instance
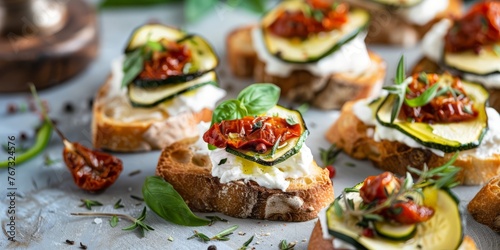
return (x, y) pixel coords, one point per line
(166, 63)
(480, 26)
(452, 106)
(322, 17)
(379, 187)
(408, 212)
(251, 132)
(92, 170)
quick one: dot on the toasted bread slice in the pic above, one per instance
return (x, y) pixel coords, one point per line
(388, 28)
(301, 86)
(141, 135)
(427, 65)
(485, 206)
(317, 242)
(351, 135)
(189, 173)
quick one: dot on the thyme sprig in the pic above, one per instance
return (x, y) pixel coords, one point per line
(90, 203)
(222, 236)
(214, 219)
(284, 245)
(137, 223)
(440, 177)
(328, 156)
(246, 244)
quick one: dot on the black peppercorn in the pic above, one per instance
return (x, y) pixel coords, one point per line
(212, 247)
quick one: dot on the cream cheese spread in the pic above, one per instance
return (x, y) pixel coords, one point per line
(352, 57)
(423, 12)
(236, 168)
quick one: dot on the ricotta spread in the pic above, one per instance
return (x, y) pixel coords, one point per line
(423, 12)
(275, 177)
(433, 48)
(121, 109)
(352, 57)
(487, 148)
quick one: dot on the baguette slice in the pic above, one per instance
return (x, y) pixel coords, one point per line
(301, 86)
(485, 206)
(317, 242)
(189, 173)
(151, 134)
(427, 65)
(351, 135)
(388, 28)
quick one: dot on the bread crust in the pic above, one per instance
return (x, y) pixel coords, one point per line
(351, 135)
(485, 206)
(427, 65)
(114, 135)
(329, 92)
(190, 174)
(317, 242)
(387, 28)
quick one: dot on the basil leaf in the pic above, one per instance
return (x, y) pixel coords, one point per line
(133, 68)
(259, 98)
(194, 9)
(424, 98)
(228, 110)
(257, 6)
(161, 197)
(130, 59)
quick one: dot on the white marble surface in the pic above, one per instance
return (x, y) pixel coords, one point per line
(48, 195)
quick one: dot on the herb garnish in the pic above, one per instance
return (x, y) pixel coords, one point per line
(161, 197)
(138, 171)
(118, 204)
(328, 156)
(246, 244)
(136, 198)
(214, 219)
(254, 100)
(222, 161)
(138, 223)
(291, 121)
(82, 246)
(400, 89)
(440, 177)
(286, 246)
(90, 203)
(134, 61)
(222, 236)
(113, 221)
(48, 161)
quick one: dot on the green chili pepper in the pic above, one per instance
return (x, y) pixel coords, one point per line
(42, 139)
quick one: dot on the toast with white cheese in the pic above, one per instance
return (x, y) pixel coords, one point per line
(391, 25)
(485, 206)
(329, 92)
(189, 172)
(162, 86)
(356, 139)
(122, 133)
